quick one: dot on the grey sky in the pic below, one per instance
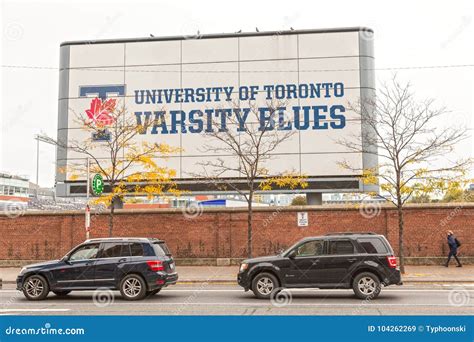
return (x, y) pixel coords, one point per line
(407, 33)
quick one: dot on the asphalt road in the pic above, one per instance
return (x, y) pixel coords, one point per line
(206, 299)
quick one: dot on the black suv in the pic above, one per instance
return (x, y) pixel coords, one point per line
(138, 267)
(363, 262)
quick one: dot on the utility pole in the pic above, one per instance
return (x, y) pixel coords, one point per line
(45, 139)
(37, 137)
(88, 163)
(88, 209)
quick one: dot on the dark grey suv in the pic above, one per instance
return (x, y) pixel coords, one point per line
(363, 262)
(138, 267)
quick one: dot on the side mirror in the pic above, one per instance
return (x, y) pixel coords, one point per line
(65, 259)
(292, 254)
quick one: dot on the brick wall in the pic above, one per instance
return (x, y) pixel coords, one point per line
(222, 233)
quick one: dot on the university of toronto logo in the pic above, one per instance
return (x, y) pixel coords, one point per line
(101, 108)
(101, 114)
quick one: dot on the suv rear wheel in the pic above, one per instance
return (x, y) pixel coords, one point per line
(264, 284)
(133, 287)
(366, 285)
(35, 287)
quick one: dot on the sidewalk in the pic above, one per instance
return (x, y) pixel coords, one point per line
(228, 274)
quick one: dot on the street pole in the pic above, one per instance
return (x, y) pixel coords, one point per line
(88, 179)
(37, 164)
(88, 221)
(88, 210)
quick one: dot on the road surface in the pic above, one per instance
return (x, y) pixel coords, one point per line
(208, 299)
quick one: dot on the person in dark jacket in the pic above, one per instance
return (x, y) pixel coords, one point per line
(453, 249)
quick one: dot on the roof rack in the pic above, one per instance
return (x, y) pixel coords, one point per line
(122, 239)
(351, 233)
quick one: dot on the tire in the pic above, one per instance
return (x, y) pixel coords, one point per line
(264, 285)
(62, 293)
(153, 292)
(35, 287)
(133, 287)
(366, 286)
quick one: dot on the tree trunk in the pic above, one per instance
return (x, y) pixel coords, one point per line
(400, 238)
(249, 225)
(111, 218)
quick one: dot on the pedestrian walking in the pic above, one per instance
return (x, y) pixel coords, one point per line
(453, 244)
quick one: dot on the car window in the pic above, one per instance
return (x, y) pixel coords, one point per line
(85, 252)
(115, 250)
(373, 245)
(161, 249)
(136, 249)
(310, 248)
(341, 247)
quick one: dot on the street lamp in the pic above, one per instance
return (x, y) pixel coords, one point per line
(43, 138)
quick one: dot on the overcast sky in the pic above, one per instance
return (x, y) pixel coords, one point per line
(407, 33)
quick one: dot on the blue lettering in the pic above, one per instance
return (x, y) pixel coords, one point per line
(195, 121)
(334, 115)
(318, 117)
(175, 121)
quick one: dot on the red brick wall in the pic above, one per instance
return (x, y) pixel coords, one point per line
(223, 233)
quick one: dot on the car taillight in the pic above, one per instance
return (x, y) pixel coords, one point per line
(155, 265)
(392, 261)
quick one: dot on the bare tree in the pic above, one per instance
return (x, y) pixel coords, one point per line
(411, 144)
(248, 142)
(127, 165)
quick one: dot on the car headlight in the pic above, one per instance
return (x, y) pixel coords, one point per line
(23, 270)
(243, 267)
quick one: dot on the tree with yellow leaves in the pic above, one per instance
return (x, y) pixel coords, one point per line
(411, 144)
(128, 166)
(248, 150)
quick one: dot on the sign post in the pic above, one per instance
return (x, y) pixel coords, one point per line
(97, 187)
(88, 221)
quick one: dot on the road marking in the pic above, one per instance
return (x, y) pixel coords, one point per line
(34, 310)
(290, 290)
(250, 304)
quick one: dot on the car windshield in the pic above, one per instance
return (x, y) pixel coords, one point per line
(285, 252)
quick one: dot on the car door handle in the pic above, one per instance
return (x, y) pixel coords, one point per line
(122, 260)
(351, 259)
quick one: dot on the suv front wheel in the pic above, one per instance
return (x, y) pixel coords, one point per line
(366, 285)
(133, 287)
(264, 284)
(35, 287)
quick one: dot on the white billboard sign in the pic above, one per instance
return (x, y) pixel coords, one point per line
(190, 82)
